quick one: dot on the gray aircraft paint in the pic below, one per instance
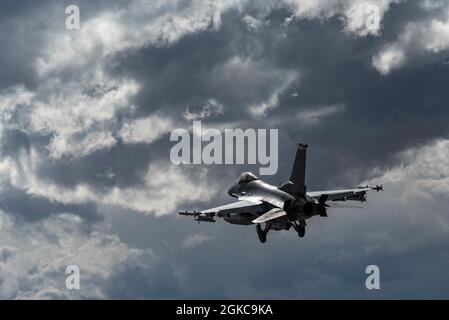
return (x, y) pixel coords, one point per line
(280, 208)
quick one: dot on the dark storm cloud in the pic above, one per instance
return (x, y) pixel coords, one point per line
(174, 78)
(333, 269)
(210, 64)
(333, 67)
(382, 116)
(31, 208)
(104, 169)
(138, 282)
(14, 141)
(23, 26)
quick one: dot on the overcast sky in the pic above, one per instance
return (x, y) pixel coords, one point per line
(86, 116)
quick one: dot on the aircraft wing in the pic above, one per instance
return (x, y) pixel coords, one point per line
(266, 199)
(253, 206)
(235, 207)
(343, 194)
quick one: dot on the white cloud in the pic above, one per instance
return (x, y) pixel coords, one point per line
(141, 23)
(165, 187)
(432, 4)
(61, 145)
(81, 123)
(35, 267)
(80, 112)
(146, 130)
(424, 172)
(430, 36)
(10, 100)
(14, 96)
(437, 36)
(211, 107)
(311, 117)
(410, 214)
(390, 58)
(252, 23)
(261, 109)
(364, 17)
(78, 122)
(194, 240)
(361, 17)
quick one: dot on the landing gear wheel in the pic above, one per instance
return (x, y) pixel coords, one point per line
(301, 231)
(262, 237)
(261, 233)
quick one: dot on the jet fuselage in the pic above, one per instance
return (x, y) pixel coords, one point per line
(271, 196)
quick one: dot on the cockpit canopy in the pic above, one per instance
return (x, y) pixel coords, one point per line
(247, 177)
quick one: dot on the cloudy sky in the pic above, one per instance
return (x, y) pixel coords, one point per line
(86, 116)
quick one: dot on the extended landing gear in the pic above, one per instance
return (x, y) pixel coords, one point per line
(301, 231)
(300, 228)
(262, 233)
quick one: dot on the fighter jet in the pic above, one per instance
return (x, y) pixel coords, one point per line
(279, 208)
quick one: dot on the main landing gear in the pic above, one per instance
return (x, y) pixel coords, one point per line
(300, 227)
(301, 231)
(262, 233)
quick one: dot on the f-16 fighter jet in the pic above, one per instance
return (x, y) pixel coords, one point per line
(279, 208)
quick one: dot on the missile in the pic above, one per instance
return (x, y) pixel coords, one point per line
(204, 219)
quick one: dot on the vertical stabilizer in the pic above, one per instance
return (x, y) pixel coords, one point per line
(298, 176)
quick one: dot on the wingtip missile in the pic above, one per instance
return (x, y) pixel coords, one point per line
(192, 213)
(198, 215)
(378, 188)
